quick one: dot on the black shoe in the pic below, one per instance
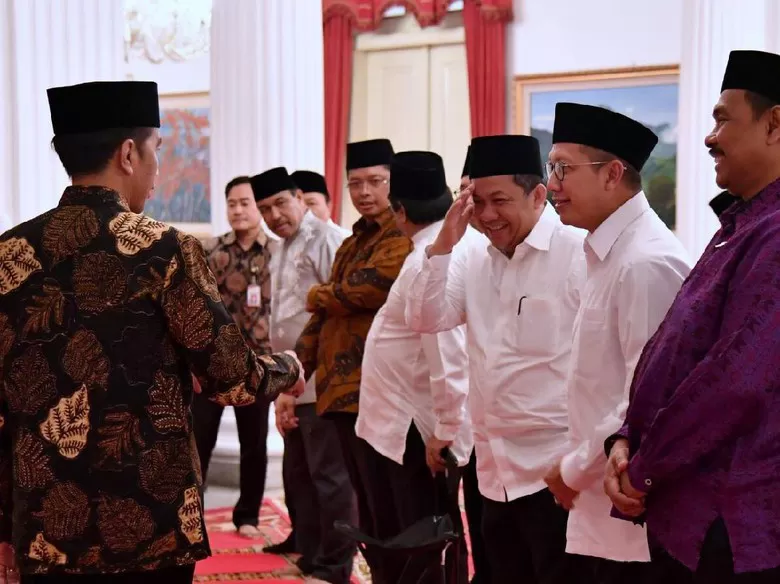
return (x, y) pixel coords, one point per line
(305, 565)
(278, 549)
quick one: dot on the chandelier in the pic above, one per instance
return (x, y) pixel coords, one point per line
(157, 30)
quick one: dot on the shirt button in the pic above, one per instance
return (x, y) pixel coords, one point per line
(648, 483)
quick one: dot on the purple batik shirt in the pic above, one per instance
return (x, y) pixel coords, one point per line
(704, 419)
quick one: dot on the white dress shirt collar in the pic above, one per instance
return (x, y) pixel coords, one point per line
(540, 236)
(606, 234)
(426, 232)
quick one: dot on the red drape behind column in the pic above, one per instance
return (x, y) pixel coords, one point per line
(485, 27)
(337, 34)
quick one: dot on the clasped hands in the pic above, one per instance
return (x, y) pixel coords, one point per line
(626, 499)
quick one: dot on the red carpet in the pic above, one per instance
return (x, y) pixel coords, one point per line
(238, 559)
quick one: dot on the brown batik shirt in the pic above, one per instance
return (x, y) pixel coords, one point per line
(104, 314)
(236, 269)
(332, 343)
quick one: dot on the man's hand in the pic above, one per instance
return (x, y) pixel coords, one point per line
(8, 572)
(297, 389)
(630, 503)
(196, 388)
(285, 414)
(455, 223)
(433, 454)
(311, 294)
(564, 495)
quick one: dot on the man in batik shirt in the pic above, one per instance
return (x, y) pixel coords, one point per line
(104, 314)
(240, 260)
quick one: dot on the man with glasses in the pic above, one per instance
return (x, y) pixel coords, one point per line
(342, 310)
(518, 296)
(635, 268)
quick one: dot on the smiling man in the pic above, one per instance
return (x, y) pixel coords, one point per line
(518, 296)
(697, 458)
(635, 268)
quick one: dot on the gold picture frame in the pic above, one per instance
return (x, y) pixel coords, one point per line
(647, 94)
(183, 194)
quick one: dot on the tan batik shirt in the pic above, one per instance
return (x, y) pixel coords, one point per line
(236, 270)
(332, 344)
(104, 314)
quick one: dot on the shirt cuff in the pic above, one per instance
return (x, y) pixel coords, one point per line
(639, 476)
(571, 474)
(439, 264)
(446, 432)
(621, 434)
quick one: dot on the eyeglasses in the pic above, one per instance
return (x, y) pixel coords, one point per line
(559, 168)
(356, 186)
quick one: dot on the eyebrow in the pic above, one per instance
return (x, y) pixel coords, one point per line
(718, 110)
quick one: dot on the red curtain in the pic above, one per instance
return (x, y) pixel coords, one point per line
(484, 22)
(338, 38)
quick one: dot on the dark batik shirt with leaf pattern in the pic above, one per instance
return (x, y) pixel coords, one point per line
(104, 315)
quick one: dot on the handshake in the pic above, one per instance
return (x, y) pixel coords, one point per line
(297, 388)
(626, 499)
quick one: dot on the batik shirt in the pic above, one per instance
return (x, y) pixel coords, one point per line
(366, 265)
(104, 316)
(236, 269)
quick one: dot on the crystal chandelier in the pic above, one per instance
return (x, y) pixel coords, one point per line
(167, 29)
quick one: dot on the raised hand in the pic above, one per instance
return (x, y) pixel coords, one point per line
(455, 224)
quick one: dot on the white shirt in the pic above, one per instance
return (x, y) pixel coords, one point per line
(298, 263)
(408, 376)
(343, 230)
(520, 314)
(635, 269)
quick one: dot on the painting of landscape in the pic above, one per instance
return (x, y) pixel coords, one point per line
(183, 192)
(654, 103)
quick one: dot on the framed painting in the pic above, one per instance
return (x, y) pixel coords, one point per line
(183, 193)
(648, 95)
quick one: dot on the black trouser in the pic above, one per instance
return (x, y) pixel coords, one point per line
(177, 575)
(320, 491)
(473, 503)
(252, 424)
(716, 564)
(397, 496)
(594, 570)
(525, 540)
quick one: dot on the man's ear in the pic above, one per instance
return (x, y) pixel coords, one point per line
(126, 151)
(539, 195)
(773, 125)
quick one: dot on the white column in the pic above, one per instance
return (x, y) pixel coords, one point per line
(46, 43)
(266, 107)
(711, 29)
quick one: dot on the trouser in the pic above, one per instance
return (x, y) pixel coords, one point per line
(594, 570)
(177, 575)
(288, 495)
(716, 564)
(320, 491)
(252, 425)
(472, 500)
(392, 497)
(525, 540)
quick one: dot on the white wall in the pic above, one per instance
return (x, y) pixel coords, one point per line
(552, 36)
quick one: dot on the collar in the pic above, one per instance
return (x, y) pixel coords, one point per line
(382, 221)
(427, 232)
(743, 212)
(92, 196)
(540, 237)
(606, 234)
(230, 238)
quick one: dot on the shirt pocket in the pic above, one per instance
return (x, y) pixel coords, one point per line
(535, 331)
(588, 345)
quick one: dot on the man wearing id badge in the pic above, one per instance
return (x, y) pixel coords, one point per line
(519, 296)
(240, 261)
